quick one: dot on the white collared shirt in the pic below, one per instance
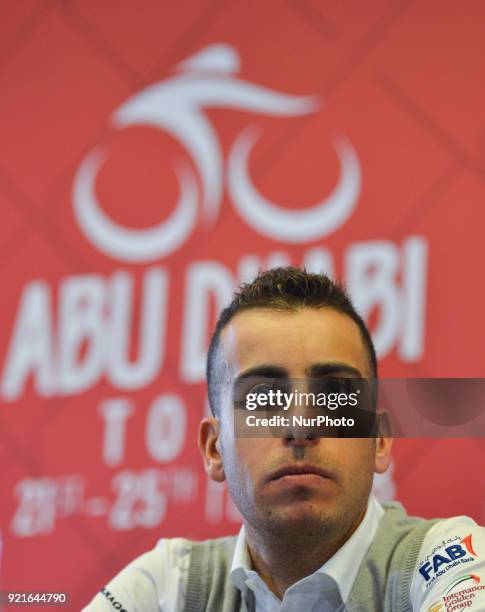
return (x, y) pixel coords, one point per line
(342, 569)
(157, 579)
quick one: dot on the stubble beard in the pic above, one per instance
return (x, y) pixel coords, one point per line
(294, 530)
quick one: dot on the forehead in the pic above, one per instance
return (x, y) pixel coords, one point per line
(294, 340)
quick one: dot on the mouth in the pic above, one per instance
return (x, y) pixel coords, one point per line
(299, 472)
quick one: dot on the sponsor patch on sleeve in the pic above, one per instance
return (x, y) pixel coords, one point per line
(460, 594)
(117, 605)
(452, 552)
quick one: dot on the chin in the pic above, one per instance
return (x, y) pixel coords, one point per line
(303, 514)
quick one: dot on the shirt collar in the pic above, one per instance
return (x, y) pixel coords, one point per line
(343, 566)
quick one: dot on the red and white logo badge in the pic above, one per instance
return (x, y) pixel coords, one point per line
(177, 105)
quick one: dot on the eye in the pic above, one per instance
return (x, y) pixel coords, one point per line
(262, 389)
(328, 385)
(336, 385)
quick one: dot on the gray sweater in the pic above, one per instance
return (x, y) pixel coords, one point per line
(382, 584)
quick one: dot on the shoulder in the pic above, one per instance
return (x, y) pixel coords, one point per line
(452, 550)
(153, 581)
(400, 531)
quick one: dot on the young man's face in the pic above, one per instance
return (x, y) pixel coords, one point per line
(295, 342)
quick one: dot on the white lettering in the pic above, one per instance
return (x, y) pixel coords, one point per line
(115, 413)
(414, 271)
(31, 349)
(123, 373)
(165, 428)
(206, 281)
(371, 277)
(81, 332)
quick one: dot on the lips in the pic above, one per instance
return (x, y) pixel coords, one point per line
(295, 470)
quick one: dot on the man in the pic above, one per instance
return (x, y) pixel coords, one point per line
(313, 538)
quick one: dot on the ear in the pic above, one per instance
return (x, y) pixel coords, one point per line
(383, 445)
(208, 440)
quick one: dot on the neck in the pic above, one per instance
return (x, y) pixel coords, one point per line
(283, 559)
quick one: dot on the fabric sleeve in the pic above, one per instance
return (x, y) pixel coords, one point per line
(154, 581)
(450, 572)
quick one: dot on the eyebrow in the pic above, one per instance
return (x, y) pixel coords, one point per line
(325, 369)
(317, 370)
(262, 371)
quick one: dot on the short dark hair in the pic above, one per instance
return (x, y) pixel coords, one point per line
(285, 289)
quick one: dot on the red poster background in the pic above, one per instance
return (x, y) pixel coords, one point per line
(400, 82)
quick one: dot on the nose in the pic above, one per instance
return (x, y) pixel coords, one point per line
(299, 437)
(300, 444)
(301, 430)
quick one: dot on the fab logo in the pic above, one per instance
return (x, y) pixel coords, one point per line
(452, 555)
